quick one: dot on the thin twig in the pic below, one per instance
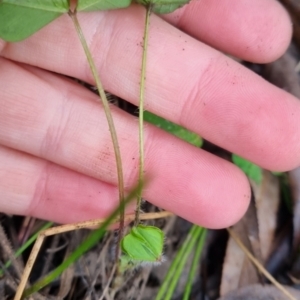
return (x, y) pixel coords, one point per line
(108, 282)
(70, 227)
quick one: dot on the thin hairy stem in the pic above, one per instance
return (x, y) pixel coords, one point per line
(141, 111)
(110, 122)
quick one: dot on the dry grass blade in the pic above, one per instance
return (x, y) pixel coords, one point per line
(68, 275)
(71, 227)
(267, 200)
(260, 267)
(105, 290)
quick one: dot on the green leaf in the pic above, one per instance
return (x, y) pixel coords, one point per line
(144, 243)
(253, 171)
(89, 5)
(163, 6)
(21, 18)
(174, 129)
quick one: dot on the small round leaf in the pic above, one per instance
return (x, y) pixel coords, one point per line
(144, 243)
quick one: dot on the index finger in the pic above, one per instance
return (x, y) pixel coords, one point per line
(187, 82)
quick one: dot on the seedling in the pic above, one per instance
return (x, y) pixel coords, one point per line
(148, 244)
(20, 19)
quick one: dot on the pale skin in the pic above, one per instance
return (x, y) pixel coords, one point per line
(57, 161)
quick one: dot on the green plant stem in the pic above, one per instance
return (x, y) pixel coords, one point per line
(141, 111)
(182, 262)
(167, 289)
(110, 122)
(195, 264)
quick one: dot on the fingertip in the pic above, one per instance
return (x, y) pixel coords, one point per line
(198, 186)
(230, 202)
(274, 33)
(253, 30)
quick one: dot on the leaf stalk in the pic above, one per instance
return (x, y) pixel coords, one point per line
(110, 122)
(141, 112)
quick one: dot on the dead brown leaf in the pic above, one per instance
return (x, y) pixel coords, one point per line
(256, 231)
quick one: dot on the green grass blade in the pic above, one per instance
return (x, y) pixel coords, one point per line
(174, 129)
(253, 171)
(28, 243)
(182, 262)
(90, 241)
(90, 5)
(195, 264)
(21, 18)
(167, 289)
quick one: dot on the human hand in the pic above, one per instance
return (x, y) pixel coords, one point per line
(57, 160)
